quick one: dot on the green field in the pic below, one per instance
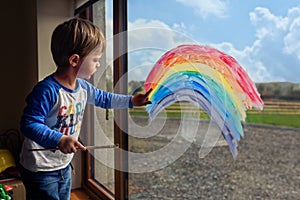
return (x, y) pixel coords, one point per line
(267, 119)
(276, 113)
(289, 120)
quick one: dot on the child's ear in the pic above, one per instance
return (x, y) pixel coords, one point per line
(74, 60)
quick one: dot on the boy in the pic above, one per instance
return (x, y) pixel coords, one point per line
(55, 107)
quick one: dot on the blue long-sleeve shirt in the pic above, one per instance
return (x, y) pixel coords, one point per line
(53, 110)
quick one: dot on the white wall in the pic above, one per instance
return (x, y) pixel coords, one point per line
(50, 13)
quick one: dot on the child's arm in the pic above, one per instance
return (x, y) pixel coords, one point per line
(111, 100)
(33, 121)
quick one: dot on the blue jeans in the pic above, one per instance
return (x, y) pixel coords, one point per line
(54, 185)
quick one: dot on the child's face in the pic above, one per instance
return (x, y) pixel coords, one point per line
(90, 64)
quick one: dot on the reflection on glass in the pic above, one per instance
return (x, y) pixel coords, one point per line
(103, 121)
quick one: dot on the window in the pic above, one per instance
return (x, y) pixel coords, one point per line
(104, 174)
(107, 170)
(156, 160)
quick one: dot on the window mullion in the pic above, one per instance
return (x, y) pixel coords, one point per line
(120, 86)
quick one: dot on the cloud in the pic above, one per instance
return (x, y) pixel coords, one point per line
(275, 54)
(277, 51)
(156, 34)
(148, 40)
(205, 8)
(292, 37)
(247, 58)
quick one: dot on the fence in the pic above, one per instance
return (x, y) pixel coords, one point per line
(270, 107)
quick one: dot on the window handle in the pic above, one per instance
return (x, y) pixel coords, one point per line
(107, 114)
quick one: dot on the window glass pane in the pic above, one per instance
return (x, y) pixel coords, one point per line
(181, 156)
(156, 170)
(102, 168)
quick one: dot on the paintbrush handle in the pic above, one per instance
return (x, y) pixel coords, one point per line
(88, 147)
(102, 147)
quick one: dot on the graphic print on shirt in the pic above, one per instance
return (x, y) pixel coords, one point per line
(69, 118)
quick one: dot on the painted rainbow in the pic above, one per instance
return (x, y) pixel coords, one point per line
(209, 78)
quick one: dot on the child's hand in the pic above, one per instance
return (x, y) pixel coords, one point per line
(141, 99)
(68, 144)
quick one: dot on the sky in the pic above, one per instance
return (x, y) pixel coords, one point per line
(262, 35)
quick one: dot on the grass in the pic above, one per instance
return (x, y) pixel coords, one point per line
(269, 118)
(290, 120)
(169, 114)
